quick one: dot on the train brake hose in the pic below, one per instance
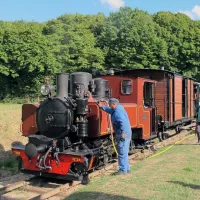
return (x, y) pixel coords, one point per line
(111, 131)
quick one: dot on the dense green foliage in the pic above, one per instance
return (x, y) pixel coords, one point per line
(125, 39)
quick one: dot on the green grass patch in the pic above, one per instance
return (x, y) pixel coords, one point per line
(173, 175)
(10, 165)
(188, 169)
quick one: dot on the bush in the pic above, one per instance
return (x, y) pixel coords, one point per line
(20, 100)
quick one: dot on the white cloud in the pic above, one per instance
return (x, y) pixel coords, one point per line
(188, 13)
(114, 4)
(194, 13)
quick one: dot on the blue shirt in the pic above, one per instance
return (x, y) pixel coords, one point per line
(120, 120)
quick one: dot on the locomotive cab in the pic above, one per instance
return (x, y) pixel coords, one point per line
(137, 95)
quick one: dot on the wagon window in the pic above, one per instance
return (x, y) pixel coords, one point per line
(126, 87)
(147, 94)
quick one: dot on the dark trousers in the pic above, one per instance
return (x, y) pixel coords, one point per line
(198, 132)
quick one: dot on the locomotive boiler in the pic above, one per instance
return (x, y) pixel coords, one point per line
(69, 135)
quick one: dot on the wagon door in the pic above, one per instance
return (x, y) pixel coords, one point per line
(185, 100)
(177, 98)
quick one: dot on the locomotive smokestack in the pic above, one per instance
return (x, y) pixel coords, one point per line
(62, 84)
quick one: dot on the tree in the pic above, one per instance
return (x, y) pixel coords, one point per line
(125, 39)
(75, 44)
(182, 36)
(129, 40)
(25, 55)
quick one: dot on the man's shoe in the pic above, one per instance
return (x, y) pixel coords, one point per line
(119, 173)
(129, 171)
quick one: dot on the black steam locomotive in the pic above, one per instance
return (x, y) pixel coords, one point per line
(61, 144)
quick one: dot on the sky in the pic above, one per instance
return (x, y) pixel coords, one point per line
(44, 10)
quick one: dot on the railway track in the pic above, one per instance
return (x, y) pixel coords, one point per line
(36, 188)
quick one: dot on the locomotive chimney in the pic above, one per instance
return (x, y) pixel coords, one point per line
(62, 84)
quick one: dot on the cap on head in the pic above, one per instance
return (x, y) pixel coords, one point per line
(113, 101)
(46, 80)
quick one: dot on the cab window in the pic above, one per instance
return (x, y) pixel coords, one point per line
(147, 94)
(126, 86)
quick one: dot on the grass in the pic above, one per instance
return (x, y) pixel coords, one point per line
(4, 106)
(172, 175)
(10, 119)
(8, 166)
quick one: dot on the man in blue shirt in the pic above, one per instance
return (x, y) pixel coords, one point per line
(122, 128)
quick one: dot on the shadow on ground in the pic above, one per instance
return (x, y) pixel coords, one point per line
(7, 154)
(8, 162)
(96, 195)
(193, 186)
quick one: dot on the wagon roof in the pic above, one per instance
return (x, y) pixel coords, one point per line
(156, 70)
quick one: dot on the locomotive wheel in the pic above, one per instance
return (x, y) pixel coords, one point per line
(160, 136)
(100, 167)
(178, 130)
(132, 148)
(85, 180)
(165, 136)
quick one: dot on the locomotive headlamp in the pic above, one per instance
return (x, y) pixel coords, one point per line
(45, 90)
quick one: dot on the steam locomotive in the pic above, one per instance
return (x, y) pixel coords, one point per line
(68, 135)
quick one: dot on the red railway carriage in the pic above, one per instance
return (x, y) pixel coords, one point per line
(68, 135)
(174, 95)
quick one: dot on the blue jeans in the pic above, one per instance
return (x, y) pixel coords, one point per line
(123, 149)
